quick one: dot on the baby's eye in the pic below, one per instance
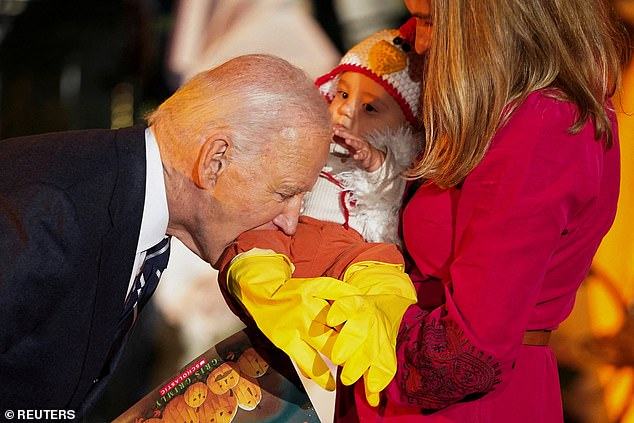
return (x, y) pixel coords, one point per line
(369, 108)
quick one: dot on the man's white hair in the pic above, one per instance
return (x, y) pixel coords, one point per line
(256, 98)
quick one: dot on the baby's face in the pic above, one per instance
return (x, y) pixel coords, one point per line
(363, 106)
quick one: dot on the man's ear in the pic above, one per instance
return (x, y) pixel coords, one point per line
(212, 161)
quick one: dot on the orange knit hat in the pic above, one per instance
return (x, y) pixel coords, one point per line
(389, 59)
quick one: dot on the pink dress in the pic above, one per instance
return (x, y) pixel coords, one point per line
(508, 248)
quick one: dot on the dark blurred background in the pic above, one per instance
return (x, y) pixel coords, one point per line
(97, 64)
(66, 64)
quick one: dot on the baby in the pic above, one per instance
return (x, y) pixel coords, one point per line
(348, 229)
(374, 104)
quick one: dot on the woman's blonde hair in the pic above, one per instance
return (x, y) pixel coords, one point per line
(488, 56)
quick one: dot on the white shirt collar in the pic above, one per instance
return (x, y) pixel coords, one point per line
(155, 211)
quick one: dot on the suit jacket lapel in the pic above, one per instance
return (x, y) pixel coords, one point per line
(117, 256)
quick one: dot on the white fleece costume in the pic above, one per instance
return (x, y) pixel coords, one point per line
(368, 202)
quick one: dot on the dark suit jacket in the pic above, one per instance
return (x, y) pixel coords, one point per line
(71, 205)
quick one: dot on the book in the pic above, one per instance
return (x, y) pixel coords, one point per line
(240, 379)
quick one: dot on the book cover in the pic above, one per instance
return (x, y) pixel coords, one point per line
(237, 380)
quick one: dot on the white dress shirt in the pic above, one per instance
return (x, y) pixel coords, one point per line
(155, 212)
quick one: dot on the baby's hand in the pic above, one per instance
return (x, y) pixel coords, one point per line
(368, 157)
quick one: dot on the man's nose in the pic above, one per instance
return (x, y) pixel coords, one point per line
(287, 219)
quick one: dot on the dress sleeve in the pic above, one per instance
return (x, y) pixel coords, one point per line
(509, 218)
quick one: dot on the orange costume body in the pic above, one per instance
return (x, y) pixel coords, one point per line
(317, 248)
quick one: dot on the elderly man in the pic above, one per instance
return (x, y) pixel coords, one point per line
(86, 217)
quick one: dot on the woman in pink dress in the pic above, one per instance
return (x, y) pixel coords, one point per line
(517, 186)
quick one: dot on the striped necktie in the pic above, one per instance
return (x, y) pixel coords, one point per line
(145, 284)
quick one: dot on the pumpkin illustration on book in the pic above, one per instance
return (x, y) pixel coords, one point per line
(196, 394)
(251, 364)
(218, 409)
(230, 383)
(223, 378)
(177, 411)
(248, 393)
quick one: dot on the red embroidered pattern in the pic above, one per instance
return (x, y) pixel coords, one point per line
(344, 197)
(442, 367)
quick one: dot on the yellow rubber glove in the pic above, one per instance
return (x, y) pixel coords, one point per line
(291, 312)
(366, 344)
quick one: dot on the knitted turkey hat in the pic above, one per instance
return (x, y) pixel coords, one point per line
(388, 58)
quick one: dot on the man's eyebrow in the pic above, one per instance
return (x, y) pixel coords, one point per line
(290, 191)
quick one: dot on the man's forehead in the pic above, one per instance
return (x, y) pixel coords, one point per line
(302, 158)
(300, 173)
